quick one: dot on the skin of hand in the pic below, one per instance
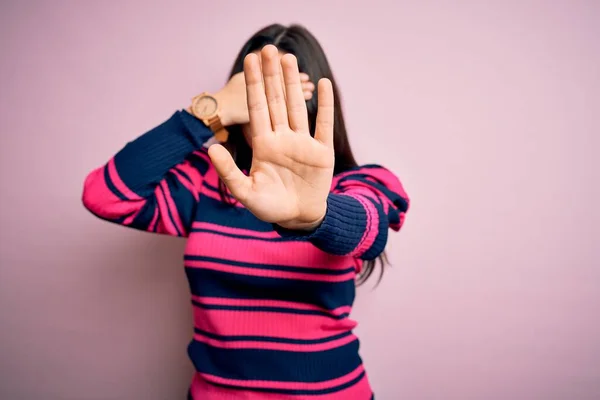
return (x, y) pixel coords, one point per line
(291, 172)
(232, 99)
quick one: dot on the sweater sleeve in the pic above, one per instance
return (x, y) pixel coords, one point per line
(153, 183)
(364, 203)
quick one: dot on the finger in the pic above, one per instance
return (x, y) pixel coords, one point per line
(271, 70)
(296, 102)
(308, 86)
(257, 102)
(304, 77)
(325, 113)
(235, 180)
(282, 82)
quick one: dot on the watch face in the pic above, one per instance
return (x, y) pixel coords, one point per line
(206, 106)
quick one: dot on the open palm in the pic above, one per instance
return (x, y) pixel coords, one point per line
(291, 171)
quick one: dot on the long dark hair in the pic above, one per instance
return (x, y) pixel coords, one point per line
(297, 40)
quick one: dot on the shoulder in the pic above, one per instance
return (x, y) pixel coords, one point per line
(371, 172)
(376, 179)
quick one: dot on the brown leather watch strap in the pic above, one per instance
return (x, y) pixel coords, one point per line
(215, 125)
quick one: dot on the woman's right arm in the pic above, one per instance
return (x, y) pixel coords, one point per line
(152, 184)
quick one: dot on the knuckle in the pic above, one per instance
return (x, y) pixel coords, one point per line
(257, 105)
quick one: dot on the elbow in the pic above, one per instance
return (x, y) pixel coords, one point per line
(91, 197)
(377, 246)
(87, 197)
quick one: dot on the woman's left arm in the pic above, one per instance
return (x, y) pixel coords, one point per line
(364, 204)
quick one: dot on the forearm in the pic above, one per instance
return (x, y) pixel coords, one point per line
(365, 204)
(152, 184)
(353, 225)
(142, 163)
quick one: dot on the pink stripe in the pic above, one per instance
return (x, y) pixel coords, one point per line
(223, 301)
(269, 323)
(192, 172)
(402, 218)
(172, 207)
(248, 344)
(99, 199)
(381, 174)
(212, 178)
(268, 273)
(352, 188)
(235, 231)
(372, 226)
(215, 195)
(153, 221)
(338, 177)
(185, 183)
(293, 253)
(202, 390)
(164, 223)
(119, 184)
(389, 180)
(287, 385)
(130, 219)
(358, 265)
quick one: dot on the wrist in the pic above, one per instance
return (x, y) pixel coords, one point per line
(305, 226)
(223, 109)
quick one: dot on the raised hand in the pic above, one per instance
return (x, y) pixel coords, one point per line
(233, 100)
(291, 171)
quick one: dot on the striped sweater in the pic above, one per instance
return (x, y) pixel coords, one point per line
(271, 307)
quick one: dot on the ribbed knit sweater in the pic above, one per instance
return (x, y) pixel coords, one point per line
(271, 307)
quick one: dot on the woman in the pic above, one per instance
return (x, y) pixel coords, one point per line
(279, 220)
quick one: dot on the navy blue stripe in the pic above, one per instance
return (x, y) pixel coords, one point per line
(217, 191)
(184, 174)
(297, 391)
(169, 211)
(155, 226)
(394, 197)
(183, 198)
(111, 185)
(342, 228)
(326, 295)
(272, 267)
(199, 162)
(283, 310)
(380, 241)
(233, 235)
(144, 217)
(270, 339)
(232, 217)
(211, 187)
(120, 219)
(276, 365)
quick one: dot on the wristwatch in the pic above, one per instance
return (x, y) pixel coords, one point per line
(206, 108)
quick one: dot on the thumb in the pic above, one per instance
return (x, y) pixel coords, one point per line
(235, 180)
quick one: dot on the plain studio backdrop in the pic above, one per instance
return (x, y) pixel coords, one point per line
(488, 111)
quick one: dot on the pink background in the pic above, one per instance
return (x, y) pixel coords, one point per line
(487, 110)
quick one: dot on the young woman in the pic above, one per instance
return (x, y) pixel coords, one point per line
(279, 219)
